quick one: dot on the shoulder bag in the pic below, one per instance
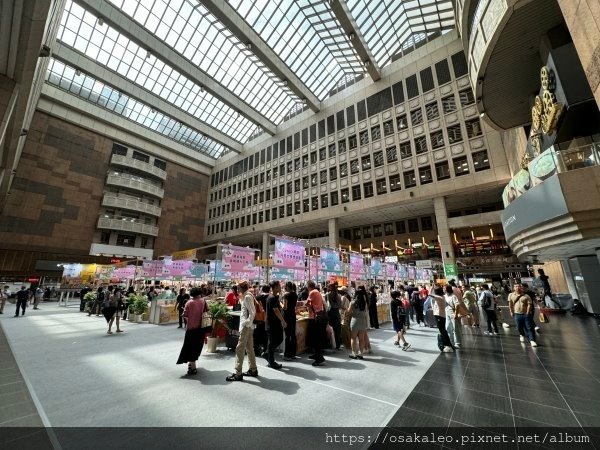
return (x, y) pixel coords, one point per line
(206, 322)
(259, 316)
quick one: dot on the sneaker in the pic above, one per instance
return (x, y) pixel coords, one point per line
(457, 345)
(312, 356)
(275, 366)
(534, 344)
(318, 362)
(360, 356)
(396, 343)
(352, 356)
(522, 338)
(536, 328)
(406, 346)
(250, 373)
(487, 333)
(234, 377)
(448, 350)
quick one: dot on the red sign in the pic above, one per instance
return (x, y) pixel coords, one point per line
(115, 260)
(33, 280)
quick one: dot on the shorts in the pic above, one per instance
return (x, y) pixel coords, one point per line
(399, 323)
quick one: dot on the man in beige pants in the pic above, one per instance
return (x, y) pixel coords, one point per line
(246, 342)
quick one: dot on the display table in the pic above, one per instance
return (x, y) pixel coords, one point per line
(163, 312)
(383, 312)
(301, 333)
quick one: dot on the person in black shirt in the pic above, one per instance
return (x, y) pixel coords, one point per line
(182, 299)
(260, 334)
(398, 319)
(22, 298)
(274, 324)
(290, 298)
(335, 302)
(372, 302)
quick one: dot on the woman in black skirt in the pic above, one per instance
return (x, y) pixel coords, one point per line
(194, 334)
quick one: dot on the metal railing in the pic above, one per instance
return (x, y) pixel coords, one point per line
(127, 161)
(578, 157)
(130, 203)
(126, 224)
(132, 183)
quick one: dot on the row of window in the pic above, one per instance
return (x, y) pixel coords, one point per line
(357, 192)
(388, 229)
(378, 159)
(121, 150)
(376, 103)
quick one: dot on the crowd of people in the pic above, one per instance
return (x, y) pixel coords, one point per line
(25, 297)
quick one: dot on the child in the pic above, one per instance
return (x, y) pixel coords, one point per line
(398, 319)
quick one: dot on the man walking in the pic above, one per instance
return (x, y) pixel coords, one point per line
(22, 298)
(97, 305)
(520, 305)
(37, 297)
(315, 306)
(274, 324)
(486, 302)
(246, 341)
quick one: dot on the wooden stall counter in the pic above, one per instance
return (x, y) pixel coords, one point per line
(383, 312)
(301, 333)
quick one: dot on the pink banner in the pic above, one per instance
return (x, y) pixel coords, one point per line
(124, 273)
(237, 259)
(179, 268)
(288, 254)
(151, 269)
(390, 271)
(357, 266)
(313, 268)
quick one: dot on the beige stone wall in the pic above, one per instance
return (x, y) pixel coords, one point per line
(554, 270)
(583, 20)
(515, 144)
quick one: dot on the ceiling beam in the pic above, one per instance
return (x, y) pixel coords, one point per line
(244, 32)
(343, 15)
(134, 31)
(101, 73)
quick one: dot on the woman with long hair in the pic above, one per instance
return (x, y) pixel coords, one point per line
(290, 298)
(358, 323)
(194, 334)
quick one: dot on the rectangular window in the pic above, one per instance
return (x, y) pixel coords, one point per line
(442, 171)
(313, 180)
(281, 191)
(118, 149)
(297, 185)
(324, 200)
(341, 124)
(366, 162)
(425, 175)
(267, 195)
(331, 124)
(321, 128)
(304, 160)
(290, 167)
(350, 117)
(409, 179)
(262, 177)
(381, 185)
(126, 240)
(274, 190)
(395, 184)
(105, 235)
(473, 128)
(416, 117)
(388, 128)
(356, 192)
(141, 157)
(332, 150)
(364, 137)
(412, 87)
(352, 142)
(421, 145)
(322, 154)
(398, 93)
(375, 133)
(306, 205)
(255, 199)
(281, 211)
(388, 228)
(288, 209)
(437, 139)
(297, 164)
(305, 137)
(273, 213)
(426, 223)
(361, 110)
(448, 104)
(342, 146)
(275, 173)
(378, 159)
(401, 122)
(289, 188)
(460, 64)
(366, 232)
(461, 166)
(354, 168)
(305, 182)
(413, 225)
(312, 131)
(442, 70)
(323, 176)
(377, 231)
(282, 169)
(260, 217)
(480, 160)
(391, 154)
(333, 173)
(313, 157)
(406, 150)
(315, 203)
(432, 111)
(466, 97)
(343, 170)
(368, 189)
(334, 198)
(454, 134)
(427, 79)
(345, 195)
(261, 196)
(267, 215)
(357, 233)
(297, 208)
(400, 227)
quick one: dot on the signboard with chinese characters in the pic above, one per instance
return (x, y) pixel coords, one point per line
(288, 254)
(330, 261)
(237, 259)
(357, 267)
(450, 270)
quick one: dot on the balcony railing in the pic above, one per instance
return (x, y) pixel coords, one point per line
(126, 224)
(131, 183)
(127, 161)
(131, 204)
(579, 157)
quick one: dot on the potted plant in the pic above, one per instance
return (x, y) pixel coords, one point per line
(89, 299)
(138, 305)
(219, 315)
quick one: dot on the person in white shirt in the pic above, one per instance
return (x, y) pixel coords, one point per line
(246, 341)
(453, 323)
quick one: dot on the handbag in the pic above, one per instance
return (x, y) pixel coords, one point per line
(321, 317)
(543, 318)
(461, 310)
(259, 316)
(206, 322)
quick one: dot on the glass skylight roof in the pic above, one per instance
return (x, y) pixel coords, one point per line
(94, 91)
(387, 24)
(80, 30)
(192, 31)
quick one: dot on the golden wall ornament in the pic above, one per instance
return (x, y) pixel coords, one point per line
(546, 111)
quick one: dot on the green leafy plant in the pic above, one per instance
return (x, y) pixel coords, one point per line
(138, 304)
(219, 315)
(90, 298)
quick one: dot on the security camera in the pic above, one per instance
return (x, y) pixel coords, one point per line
(44, 51)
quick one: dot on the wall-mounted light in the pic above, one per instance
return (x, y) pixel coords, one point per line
(100, 21)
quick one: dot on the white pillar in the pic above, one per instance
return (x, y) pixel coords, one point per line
(265, 246)
(333, 233)
(445, 240)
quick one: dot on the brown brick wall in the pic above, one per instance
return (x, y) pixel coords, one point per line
(181, 225)
(55, 199)
(57, 190)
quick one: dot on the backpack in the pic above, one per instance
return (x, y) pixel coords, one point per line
(259, 317)
(486, 302)
(415, 298)
(440, 342)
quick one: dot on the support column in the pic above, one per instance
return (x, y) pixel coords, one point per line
(333, 233)
(265, 246)
(441, 218)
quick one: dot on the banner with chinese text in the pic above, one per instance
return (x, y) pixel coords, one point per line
(288, 254)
